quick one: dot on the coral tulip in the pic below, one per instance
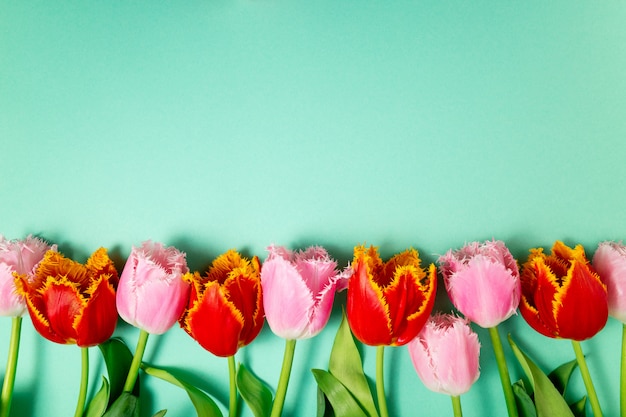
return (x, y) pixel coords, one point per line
(69, 302)
(152, 294)
(225, 310)
(482, 281)
(445, 355)
(388, 303)
(562, 296)
(19, 257)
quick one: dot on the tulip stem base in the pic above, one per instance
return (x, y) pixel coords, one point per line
(133, 372)
(232, 373)
(584, 372)
(380, 381)
(456, 406)
(84, 380)
(9, 376)
(503, 370)
(622, 397)
(283, 382)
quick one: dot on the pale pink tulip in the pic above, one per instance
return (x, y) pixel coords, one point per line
(445, 355)
(298, 290)
(19, 257)
(609, 261)
(151, 294)
(482, 281)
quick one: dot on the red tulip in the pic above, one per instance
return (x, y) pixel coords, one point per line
(562, 296)
(72, 303)
(388, 303)
(225, 310)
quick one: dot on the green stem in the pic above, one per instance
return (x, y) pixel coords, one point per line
(380, 381)
(505, 379)
(283, 382)
(9, 376)
(456, 405)
(232, 372)
(84, 380)
(133, 372)
(584, 371)
(622, 397)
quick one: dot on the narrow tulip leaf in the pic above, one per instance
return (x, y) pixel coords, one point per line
(579, 407)
(204, 405)
(254, 392)
(126, 405)
(525, 404)
(98, 404)
(548, 400)
(345, 364)
(344, 404)
(561, 375)
(323, 406)
(160, 413)
(117, 358)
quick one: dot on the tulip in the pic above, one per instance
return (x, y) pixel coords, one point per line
(151, 295)
(483, 283)
(72, 303)
(298, 292)
(19, 257)
(388, 303)
(445, 356)
(563, 297)
(610, 263)
(225, 310)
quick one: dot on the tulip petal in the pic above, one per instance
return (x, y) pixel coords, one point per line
(245, 294)
(63, 305)
(610, 263)
(99, 316)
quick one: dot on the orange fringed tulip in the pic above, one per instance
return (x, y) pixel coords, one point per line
(562, 296)
(225, 310)
(69, 302)
(389, 303)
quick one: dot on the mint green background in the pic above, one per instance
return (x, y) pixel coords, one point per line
(232, 123)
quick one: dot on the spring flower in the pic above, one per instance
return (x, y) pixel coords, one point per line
(298, 290)
(225, 310)
(562, 296)
(72, 303)
(610, 263)
(19, 257)
(482, 281)
(445, 355)
(152, 294)
(388, 303)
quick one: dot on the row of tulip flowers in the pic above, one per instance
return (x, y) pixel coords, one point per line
(560, 295)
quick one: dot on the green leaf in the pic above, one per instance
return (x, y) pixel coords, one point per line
(160, 413)
(126, 405)
(204, 405)
(560, 376)
(525, 404)
(98, 404)
(548, 400)
(254, 392)
(344, 404)
(117, 358)
(323, 406)
(345, 365)
(578, 408)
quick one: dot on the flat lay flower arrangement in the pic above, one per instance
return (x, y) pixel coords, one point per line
(389, 303)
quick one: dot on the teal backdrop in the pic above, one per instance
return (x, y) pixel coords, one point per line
(211, 125)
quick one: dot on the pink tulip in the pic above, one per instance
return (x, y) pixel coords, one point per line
(298, 290)
(151, 294)
(19, 257)
(482, 281)
(445, 355)
(609, 261)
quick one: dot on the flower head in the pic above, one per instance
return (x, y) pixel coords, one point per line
(389, 302)
(298, 290)
(482, 281)
(18, 257)
(610, 263)
(562, 296)
(70, 302)
(152, 293)
(225, 310)
(445, 355)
